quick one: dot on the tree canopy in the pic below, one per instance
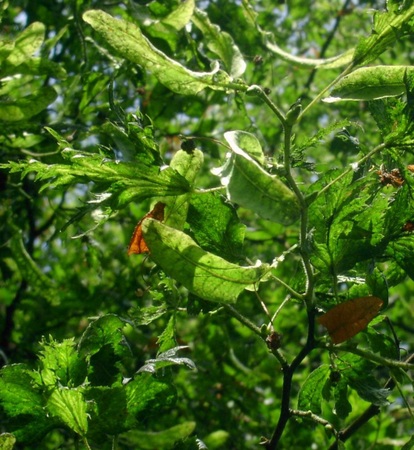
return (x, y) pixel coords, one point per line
(206, 224)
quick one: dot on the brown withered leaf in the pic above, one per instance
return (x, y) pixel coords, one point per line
(137, 244)
(347, 319)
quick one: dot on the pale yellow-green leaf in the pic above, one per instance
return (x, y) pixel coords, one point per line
(26, 44)
(317, 63)
(370, 83)
(69, 406)
(128, 41)
(204, 274)
(13, 110)
(179, 18)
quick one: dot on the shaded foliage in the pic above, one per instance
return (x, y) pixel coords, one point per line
(284, 165)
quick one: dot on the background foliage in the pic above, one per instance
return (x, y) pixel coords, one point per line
(105, 350)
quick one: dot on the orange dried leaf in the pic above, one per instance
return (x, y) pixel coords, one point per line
(349, 318)
(410, 167)
(137, 244)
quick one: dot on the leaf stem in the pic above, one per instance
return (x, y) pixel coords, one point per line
(288, 372)
(376, 358)
(315, 418)
(242, 319)
(291, 291)
(259, 92)
(322, 93)
(308, 297)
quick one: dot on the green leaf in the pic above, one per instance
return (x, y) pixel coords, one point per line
(146, 397)
(127, 181)
(317, 63)
(162, 440)
(188, 165)
(357, 372)
(103, 344)
(388, 27)
(370, 83)
(216, 439)
(134, 140)
(249, 185)
(165, 359)
(369, 389)
(17, 395)
(31, 272)
(107, 410)
(215, 226)
(128, 41)
(26, 44)
(401, 251)
(7, 441)
(409, 445)
(220, 43)
(70, 407)
(378, 285)
(204, 274)
(180, 17)
(61, 364)
(35, 66)
(247, 142)
(146, 315)
(13, 110)
(351, 221)
(342, 406)
(311, 392)
(23, 404)
(167, 339)
(106, 330)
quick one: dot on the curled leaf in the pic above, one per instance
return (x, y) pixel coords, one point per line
(129, 42)
(370, 83)
(347, 319)
(204, 274)
(317, 63)
(249, 185)
(137, 244)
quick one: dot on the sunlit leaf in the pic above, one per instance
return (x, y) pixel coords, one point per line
(61, 364)
(106, 330)
(17, 395)
(216, 226)
(167, 358)
(188, 165)
(220, 43)
(7, 441)
(13, 110)
(204, 274)
(179, 18)
(70, 406)
(26, 43)
(249, 185)
(317, 63)
(147, 396)
(247, 142)
(388, 27)
(349, 318)
(128, 41)
(148, 440)
(127, 181)
(370, 83)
